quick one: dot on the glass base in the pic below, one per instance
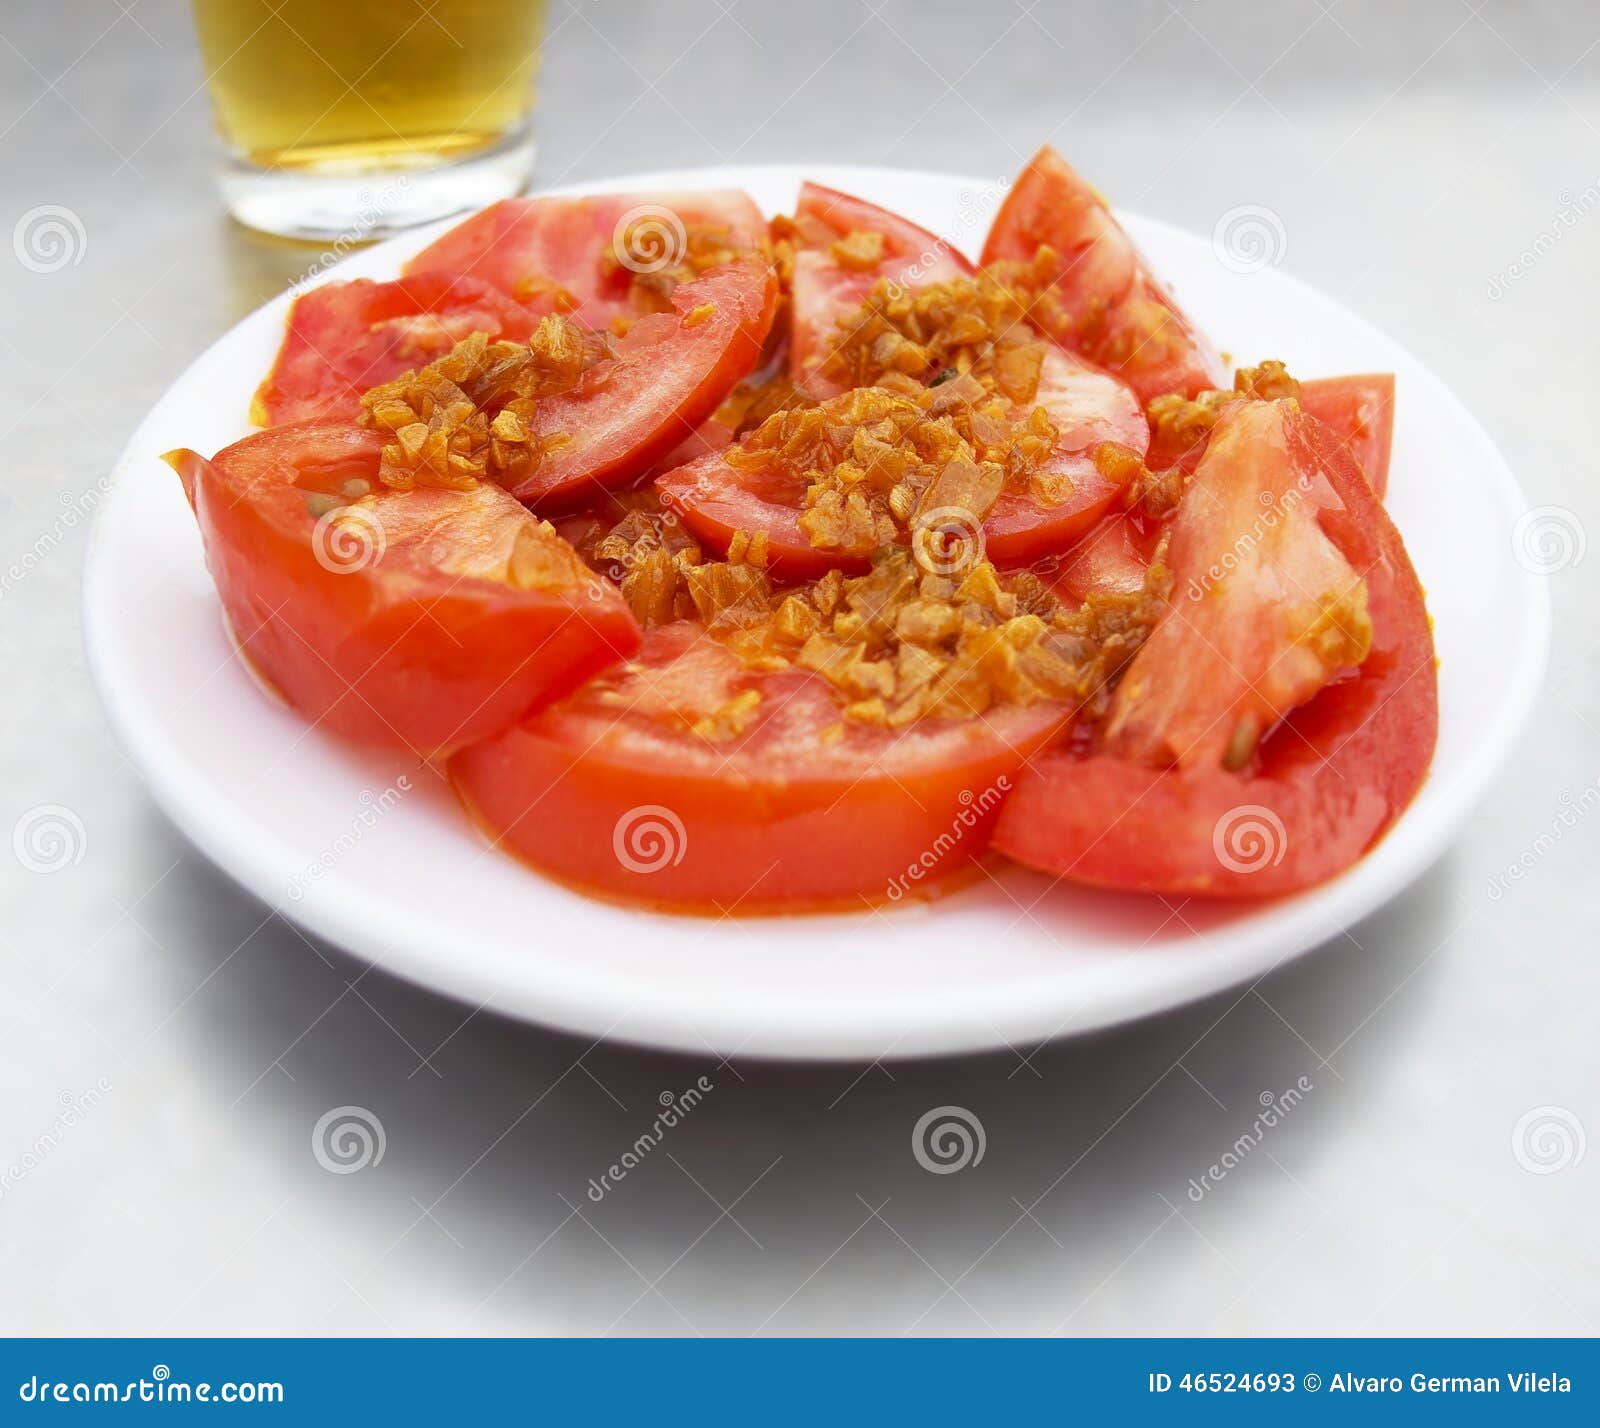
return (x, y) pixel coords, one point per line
(347, 207)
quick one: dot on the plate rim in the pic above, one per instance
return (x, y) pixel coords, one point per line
(228, 842)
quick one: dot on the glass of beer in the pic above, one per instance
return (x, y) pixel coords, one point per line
(352, 119)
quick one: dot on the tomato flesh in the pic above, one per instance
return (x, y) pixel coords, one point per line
(1108, 305)
(531, 246)
(716, 499)
(613, 790)
(826, 291)
(1359, 412)
(393, 622)
(1320, 789)
(343, 338)
(669, 374)
(1111, 560)
(1247, 550)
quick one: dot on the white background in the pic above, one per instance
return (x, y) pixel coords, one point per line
(1411, 160)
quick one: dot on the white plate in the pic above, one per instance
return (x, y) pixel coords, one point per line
(305, 823)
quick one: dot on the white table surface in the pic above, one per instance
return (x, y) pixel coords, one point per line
(1412, 160)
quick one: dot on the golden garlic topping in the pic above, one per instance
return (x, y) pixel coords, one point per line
(468, 416)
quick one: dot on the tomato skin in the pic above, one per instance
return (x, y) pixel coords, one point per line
(777, 820)
(919, 255)
(670, 373)
(1111, 560)
(342, 338)
(1325, 786)
(825, 291)
(419, 645)
(564, 242)
(715, 499)
(1114, 310)
(1359, 411)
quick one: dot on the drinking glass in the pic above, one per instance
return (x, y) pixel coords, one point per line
(355, 118)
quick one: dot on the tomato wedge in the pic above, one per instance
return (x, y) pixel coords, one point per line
(918, 254)
(1359, 411)
(613, 790)
(1111, 560)
(531, 247)
(345, 337)
(1323, 786)
(1101, 298)
(716, 499)
(825, 290)
(668, 374)
(422, 619)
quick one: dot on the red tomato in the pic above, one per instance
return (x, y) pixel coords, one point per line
(529, 246)
(1359, 411)
(1325, 784)
(1105, 302)
(394, 619)
(706, 439)
(1111, 560)
(345, 337)
(715, 499)
(613, 790)
(918, 255)
(825, 291)
(667, 376)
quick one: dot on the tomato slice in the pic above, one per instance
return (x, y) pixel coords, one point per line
(422, 619)
(1111, 560)
(1104, 301)
(826, 290)
(533, 246)
(613, 790)
(1325, 784)
(1266, 609)
(345, 337)
(715, 499)
(1359, 411)
(918, 254)
(668, 375)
